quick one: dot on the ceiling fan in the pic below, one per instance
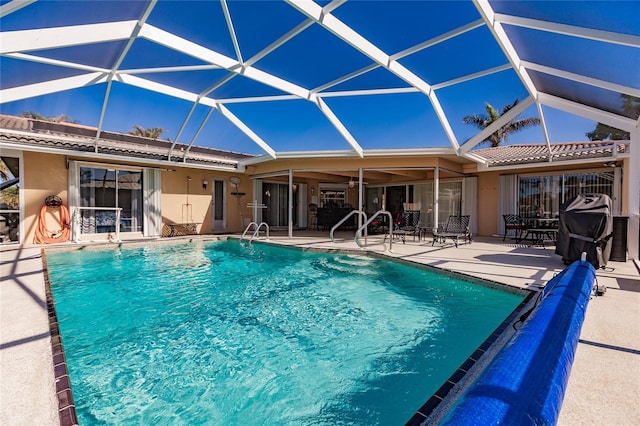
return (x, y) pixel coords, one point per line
(353, 183)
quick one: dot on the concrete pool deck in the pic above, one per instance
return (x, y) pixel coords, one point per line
(603, 387)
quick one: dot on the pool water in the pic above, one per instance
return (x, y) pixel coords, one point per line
(224, 333)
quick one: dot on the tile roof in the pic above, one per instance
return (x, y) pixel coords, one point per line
(74, 137)
(540, 153)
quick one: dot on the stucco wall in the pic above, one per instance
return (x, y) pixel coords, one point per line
(178, 206)
(44, 175)
(488, 196)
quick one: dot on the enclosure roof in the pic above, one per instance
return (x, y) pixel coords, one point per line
(272, 78)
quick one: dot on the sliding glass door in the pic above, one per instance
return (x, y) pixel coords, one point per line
(102, 191)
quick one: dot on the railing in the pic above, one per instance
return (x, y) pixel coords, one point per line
(76, 219)
(344, 219)
(375, 215)
(257, 230)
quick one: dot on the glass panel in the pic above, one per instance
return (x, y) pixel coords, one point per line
(129, 197)
(396, 195)
(283, 204)
(218, 213)
(542, 196)
(110, 188)
(423, 194)
(9, 199)
(372, 200)
(275, 197)
(529, 195)
(588, 183)
(450, 201)
(97, 189)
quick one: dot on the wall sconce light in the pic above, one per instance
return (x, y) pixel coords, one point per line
(313, 189)
(204, 184)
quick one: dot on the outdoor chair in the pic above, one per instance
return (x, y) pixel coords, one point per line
(514, 223)
(409, 225)
(457, 227)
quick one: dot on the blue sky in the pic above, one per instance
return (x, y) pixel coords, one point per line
(312, 58)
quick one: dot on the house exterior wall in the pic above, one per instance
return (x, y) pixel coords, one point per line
(488, 196)
(175, 198)
(46, 174)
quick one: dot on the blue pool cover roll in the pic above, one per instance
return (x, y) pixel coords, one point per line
(526, 381)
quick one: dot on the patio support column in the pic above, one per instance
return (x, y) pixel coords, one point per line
(634, 196)
(360, 196)
(290, 203)
(436, 195)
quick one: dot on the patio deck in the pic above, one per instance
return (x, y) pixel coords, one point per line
(603, 386)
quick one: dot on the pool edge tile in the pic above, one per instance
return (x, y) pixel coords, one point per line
(460, 374)
(66, 406)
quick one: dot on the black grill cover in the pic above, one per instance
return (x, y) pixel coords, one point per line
(586, 225)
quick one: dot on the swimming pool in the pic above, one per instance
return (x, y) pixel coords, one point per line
(221, 333)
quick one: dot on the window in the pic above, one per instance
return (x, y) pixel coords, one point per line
(543, 195)
(9, 199)
(275, 196)
(332, 195)
(110, 188)
(450, 200)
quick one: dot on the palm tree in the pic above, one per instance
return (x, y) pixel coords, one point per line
(483, 121)
(152, 132)
(9, 188)
(631, 108)
(55, 119)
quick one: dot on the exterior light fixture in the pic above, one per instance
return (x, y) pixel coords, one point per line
(313, 189)
(204, 184)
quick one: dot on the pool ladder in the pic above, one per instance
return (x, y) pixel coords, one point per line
(344, 219)
(371, 219)
(256, 231)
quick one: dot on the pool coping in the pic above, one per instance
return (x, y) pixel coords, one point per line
(443, 397)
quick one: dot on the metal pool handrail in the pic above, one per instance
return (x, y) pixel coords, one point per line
(376, 214)
(257, 230)
(351, 213)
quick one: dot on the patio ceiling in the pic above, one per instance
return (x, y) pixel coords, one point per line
(299, 78)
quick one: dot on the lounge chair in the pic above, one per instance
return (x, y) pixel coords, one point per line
(409, 225)
(457, 227)
(515, 223)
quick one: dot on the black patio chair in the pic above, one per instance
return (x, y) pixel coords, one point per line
(409, 225)
(457, 228)
(514, 223)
